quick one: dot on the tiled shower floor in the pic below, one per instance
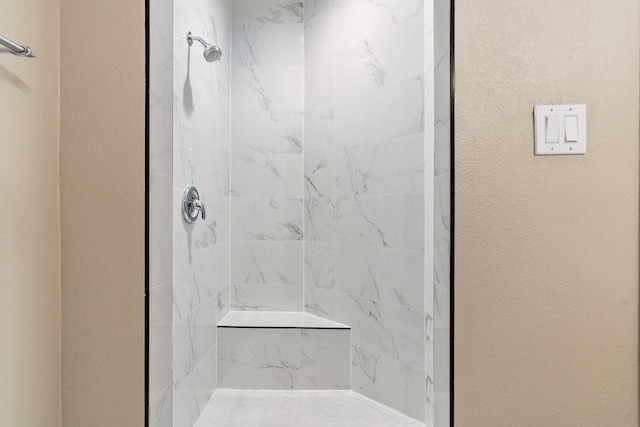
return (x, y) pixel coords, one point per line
(300, 408)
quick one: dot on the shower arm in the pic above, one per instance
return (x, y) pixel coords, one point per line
(15, 48)
(191, 38)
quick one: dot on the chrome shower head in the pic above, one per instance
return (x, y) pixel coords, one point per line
(211, 52)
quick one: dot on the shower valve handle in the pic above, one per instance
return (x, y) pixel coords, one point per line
(197, 204)
(192, 206)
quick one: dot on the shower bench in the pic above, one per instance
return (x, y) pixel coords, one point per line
(273, 350)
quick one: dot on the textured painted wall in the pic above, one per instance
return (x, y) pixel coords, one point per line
(102, 69)
(29, 218)
(546, 247)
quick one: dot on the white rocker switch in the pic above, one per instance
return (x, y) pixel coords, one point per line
(552, 130)
(571, 128)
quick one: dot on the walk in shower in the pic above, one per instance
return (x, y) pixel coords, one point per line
(317, 135)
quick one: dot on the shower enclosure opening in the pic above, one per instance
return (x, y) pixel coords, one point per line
(299, 230)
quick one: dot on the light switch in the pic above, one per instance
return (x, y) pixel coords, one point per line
(552, 130)
(571, 128)
(560, 129)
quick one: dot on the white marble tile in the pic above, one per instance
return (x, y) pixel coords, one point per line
(391, 276)
(442, 24)
(197, 235)
(320, 81)
(319, 126)
(260, 132)
(358, 19)
(430, 406)
(254, 262)
(441, 360)
(266, 297)
(381, 59)
(442, 99)
(268, 88)
(391, 330)
(428, 346)
(320, 302)
(266, 175)
(442, 310)
(315, 322)
(320, 173)
(442, 221)
(442, 414)
(270, 366)
(160, 319)
(160, 410)
(267, 109)
(188, 404)
(331, 337)
(319, 30)
(337, 408)
(193, 281)
(429, 292)
(324, 367)
(389, 382)
(268, 33)
(319, 265)
(218, 207)
(193, 337)
(193, 152)
(389, 111)
(259, 335)
(192, 91)
(160, 221)
(160, 117)
(389, 221)
(388, 166)
(204, 375)
(222, 277)
(276, 319)
(320, 219)
(266, 219)
(161, 32)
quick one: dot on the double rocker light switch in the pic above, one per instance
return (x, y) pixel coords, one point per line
(560, 129)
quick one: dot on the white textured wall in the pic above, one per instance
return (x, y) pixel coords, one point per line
(546, 247)
(29, 218)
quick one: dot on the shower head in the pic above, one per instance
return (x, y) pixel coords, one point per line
(211, 52)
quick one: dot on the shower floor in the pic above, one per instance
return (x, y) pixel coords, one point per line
(299, 408)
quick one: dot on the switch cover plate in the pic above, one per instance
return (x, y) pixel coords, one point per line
(560, 129)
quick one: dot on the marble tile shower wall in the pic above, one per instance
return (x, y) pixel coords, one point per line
(201, 134)
(366, 103)
(160, 219)
(266, 155)
(442, 204)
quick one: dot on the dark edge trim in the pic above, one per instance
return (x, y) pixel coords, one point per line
(452, 217)
(282, 327)
(147, 25)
